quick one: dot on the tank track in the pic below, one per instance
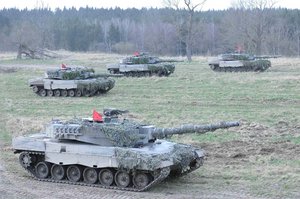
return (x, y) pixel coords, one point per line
(66, 93)
(217, 68)
(141, 73)
(163, 174)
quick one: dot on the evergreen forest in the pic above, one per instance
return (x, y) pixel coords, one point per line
(273, 31)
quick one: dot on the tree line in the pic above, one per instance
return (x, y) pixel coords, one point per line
(271, 31)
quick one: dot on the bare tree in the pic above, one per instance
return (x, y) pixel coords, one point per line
(255, 21)
(191, 7)
(105, 25)
(26, 33)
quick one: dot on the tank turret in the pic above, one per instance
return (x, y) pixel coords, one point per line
(70, 73)
(72, 81)
(112, 131)
(109, 152)
(145, 58)
(75, 73)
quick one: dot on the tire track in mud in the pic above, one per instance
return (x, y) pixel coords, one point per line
(200, 186)
(16, 183)
(19, 185)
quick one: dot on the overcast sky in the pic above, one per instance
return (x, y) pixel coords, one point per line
(210, 4)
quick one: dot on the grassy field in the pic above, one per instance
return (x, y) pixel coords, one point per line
(260, 158)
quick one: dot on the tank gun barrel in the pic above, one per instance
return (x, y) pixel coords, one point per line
(108, 75)
(266, 56)
(170, 60)
(189, 128)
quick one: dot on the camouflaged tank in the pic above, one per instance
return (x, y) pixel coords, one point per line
(141, 64)
(235, 62)
(109, 152)
(71, 81)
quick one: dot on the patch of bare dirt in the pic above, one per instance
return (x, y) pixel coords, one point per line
(16, 183)
(263, 155)
(257, 140)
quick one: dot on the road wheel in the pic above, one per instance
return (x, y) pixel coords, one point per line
(90, 175)
(212, 66)
(42, 170)
(71, 93)
(106, 177)
(35, 89)
(111, 71)
(122, 179)
(78, 93)
(87, 93)
(141, 180)
(50, 93)
(57, 93)
(58, 172)
(43, 93)
(74, 173)
(64, 93)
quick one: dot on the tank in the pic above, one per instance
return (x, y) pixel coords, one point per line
(236, 62)
(142, 64)
(71, 81)
(109, 152)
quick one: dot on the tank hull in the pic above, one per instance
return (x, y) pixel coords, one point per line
(156, 161)
(74, 88)
(139, 70)
(218, 65)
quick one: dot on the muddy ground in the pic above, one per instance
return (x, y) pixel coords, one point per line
(263, 163)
